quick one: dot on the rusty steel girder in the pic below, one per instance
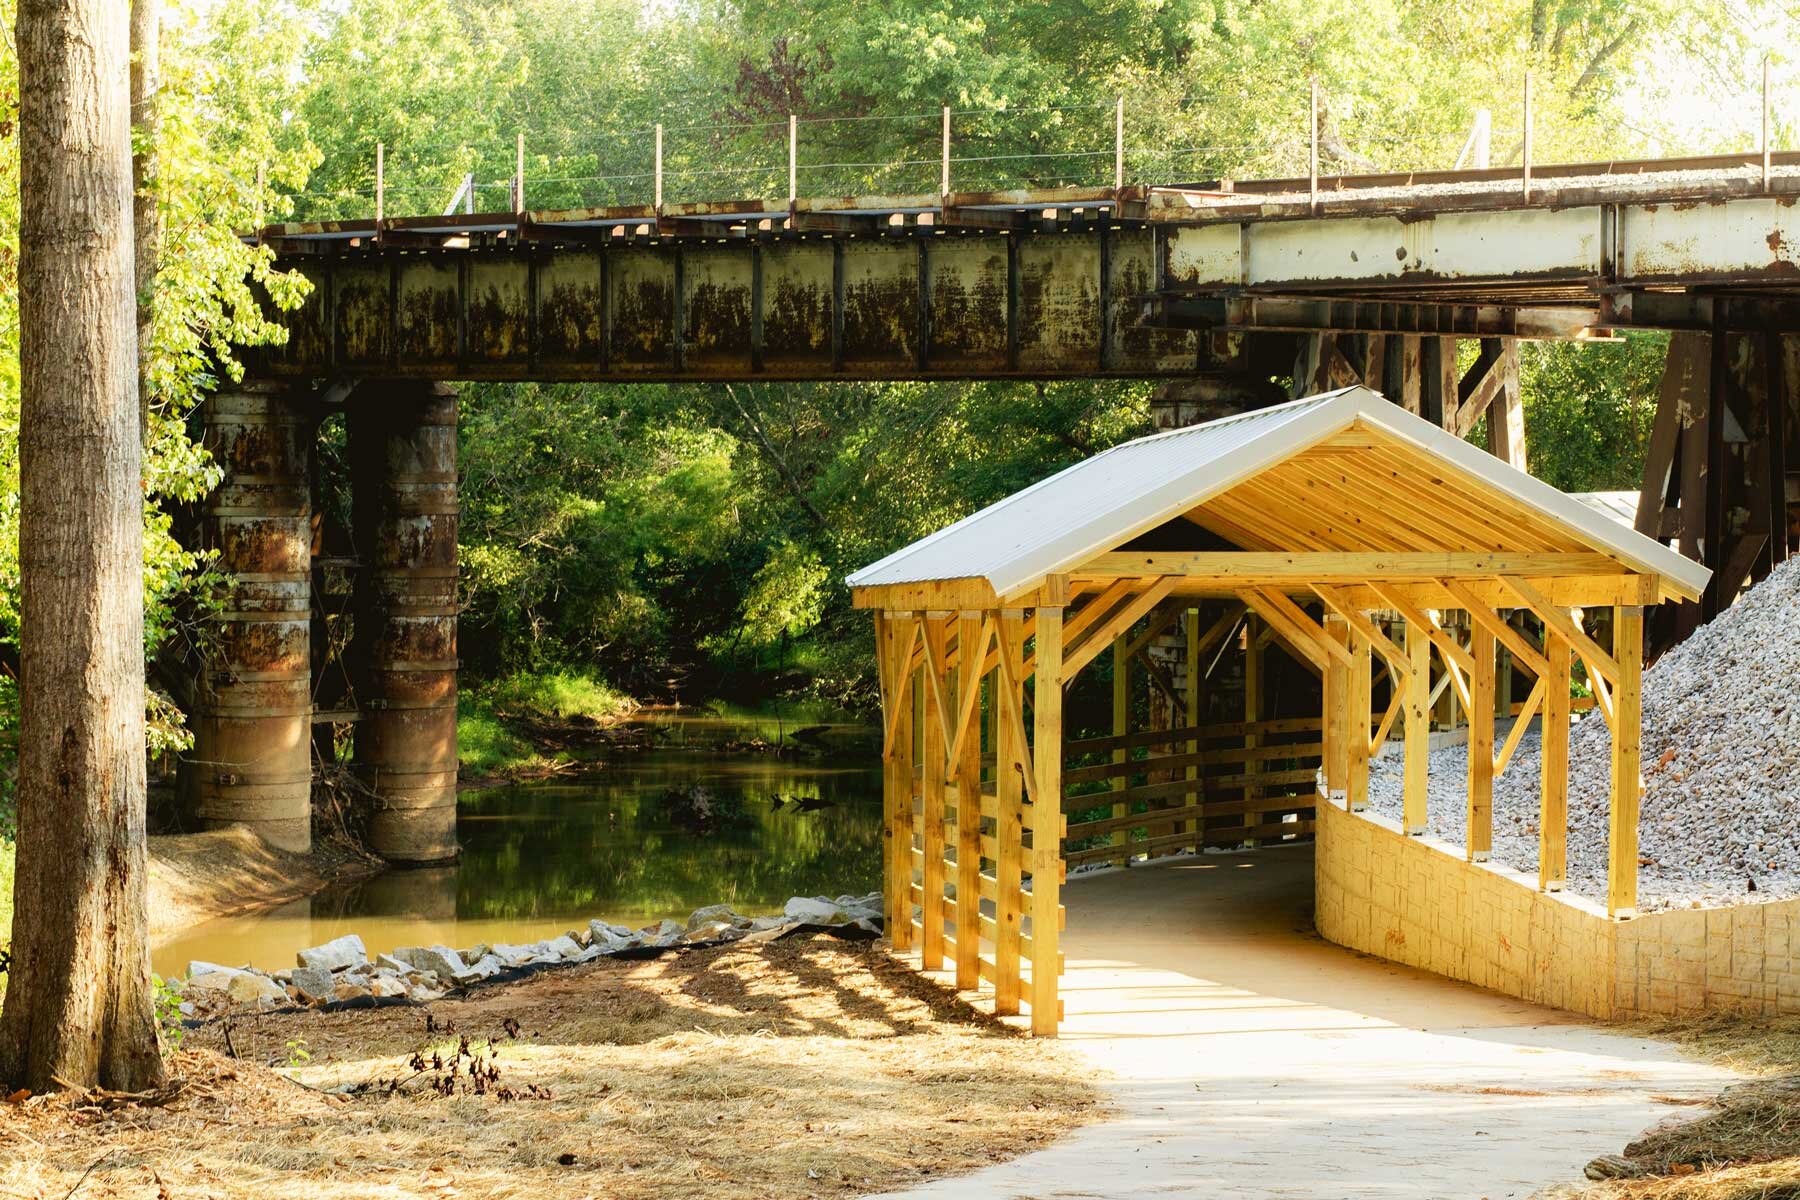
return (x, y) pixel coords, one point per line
(907, 305)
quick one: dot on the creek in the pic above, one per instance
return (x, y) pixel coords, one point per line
(616, 841)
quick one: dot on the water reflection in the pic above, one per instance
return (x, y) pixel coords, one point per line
(540, 858)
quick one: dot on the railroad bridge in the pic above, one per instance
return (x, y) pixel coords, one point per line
(1233, 293)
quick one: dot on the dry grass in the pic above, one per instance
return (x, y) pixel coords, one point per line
(1748, 1148)
(819, 1069)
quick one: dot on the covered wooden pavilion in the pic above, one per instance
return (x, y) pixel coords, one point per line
(1353, 531)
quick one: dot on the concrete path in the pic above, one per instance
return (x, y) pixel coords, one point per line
(1250, 1058)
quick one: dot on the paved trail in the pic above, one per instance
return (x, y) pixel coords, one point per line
(1250, 1058)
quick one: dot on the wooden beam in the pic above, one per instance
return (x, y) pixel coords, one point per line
(1356, 786)
(1363, 625)
(1046, 825)
(1554, 618)
(1553, 787)
(1418, 731)
(965, 759)
(973, 630)
(1009, 834)
(1478, 387)
(1012, 700)
(1520, 724)
(1568, 591)
(1101, 634)
(1378, 739)
(1447, 646)
(1295, 627)
(1515, 642)
(1627, 764)
(1479, 841)
(1121, 727)
(1335, 706)
(933, 777)
(1341, 566)
(897, 784)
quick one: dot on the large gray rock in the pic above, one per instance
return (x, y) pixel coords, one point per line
(247, 987)
(313, 983)
(816, 910)
(210, 977)
(564, 948)
(335, 955)
(717, 914)
(609, 937)
(443, 962)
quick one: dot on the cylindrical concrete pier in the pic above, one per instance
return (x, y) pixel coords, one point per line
(253, 725)
(403, 436)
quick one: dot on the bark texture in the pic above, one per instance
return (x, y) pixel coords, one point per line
(78, 1003)
(146, 80)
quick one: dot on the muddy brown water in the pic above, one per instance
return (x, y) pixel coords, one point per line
(542, 858)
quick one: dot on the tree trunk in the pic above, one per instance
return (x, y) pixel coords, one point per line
(78, 1005)
(146, 79)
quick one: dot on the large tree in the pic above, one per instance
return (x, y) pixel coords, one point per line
(78, 1004)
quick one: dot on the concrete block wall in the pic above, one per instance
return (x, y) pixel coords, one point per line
(1417, 901)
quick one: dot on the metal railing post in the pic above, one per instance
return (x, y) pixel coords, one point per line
(1525, 148)
(1312, 174)
(1119, 143)
(793, 158)
(659, 166)
(380, 183)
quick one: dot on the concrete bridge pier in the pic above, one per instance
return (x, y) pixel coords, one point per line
(404, 516)
(253, 724)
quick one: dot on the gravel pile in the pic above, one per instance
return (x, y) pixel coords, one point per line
(1721, 742)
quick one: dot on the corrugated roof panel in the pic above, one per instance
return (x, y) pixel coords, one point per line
(1102, 502)
(1089, 506)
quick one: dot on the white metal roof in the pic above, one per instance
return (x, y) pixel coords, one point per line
(1058, 523)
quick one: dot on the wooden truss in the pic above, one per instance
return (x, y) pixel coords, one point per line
(978, 785)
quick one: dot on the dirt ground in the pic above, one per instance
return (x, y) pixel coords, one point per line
(1746, 1146)
(810, 1069)
(195, 877)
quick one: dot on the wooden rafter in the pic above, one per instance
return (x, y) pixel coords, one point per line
(970, 682)
(1394, 655)
(899, 687)
(1379, 739)
(1300, 630)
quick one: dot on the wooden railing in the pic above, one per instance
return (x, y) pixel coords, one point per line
(1219, 785)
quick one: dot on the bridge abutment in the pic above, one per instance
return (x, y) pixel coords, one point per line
(403, 460)
(252, 730)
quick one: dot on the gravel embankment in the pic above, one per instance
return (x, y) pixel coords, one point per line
(1721, 740)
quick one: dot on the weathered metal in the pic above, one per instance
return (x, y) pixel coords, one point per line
(403, 449)
(253, 725)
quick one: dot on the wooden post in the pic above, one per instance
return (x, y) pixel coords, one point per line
(893, 641)
(1334, 725)
(1622, 829)
(968, 821)
(1553, 789)
(1009, 834)
(1506, 415)
(1253, 702)
(1046, 821)
(933, 776)
(1119, 136)
(1191, 694)
(1414, 815)
(1121, 725)
(1480, 840)
(944, 181)
(1362, 701)
(793, 159)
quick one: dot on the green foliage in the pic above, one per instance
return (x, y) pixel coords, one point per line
(561, 695)
(484, 743)
(166, 1001)
(1589, 409)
